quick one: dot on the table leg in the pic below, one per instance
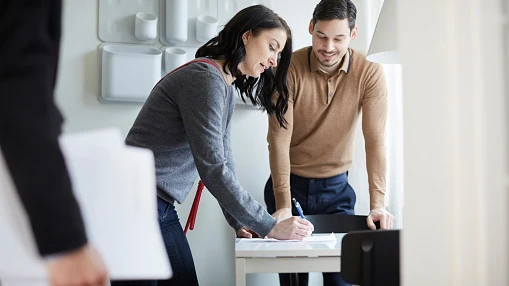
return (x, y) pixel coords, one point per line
(240, 272)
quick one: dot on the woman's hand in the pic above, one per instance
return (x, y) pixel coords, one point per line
(244, 232)
(292, 228)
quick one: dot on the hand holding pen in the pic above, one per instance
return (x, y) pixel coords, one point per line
(292, 227)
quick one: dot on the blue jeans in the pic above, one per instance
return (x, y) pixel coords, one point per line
(177, 248)
(316, 196)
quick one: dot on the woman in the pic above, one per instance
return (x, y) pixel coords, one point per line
(186, 122)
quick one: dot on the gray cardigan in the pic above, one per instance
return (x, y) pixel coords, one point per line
(186, 122)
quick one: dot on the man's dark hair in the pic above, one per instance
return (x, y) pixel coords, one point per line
(335, 9)
(228, 45)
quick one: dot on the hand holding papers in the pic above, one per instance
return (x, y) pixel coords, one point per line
(115, 188)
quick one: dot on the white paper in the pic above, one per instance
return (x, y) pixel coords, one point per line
(315, 237)
(116, 190)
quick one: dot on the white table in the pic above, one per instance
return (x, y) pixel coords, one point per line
(286, 257)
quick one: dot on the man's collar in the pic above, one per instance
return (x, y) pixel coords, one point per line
(344, 64)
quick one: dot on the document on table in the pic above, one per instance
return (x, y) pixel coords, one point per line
(316, 237)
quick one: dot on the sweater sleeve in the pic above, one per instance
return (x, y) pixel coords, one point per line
(30, 123)
(202, 114)
(374, 110)
(279, 140)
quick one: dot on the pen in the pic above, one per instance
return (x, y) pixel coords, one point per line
(299, 209)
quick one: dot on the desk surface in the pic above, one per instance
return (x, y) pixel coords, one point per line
(289, 249)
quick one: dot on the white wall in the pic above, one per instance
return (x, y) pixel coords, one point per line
(78, 75)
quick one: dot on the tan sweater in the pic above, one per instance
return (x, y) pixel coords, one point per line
(322, 116)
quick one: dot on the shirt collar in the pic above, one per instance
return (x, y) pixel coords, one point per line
(344, 64)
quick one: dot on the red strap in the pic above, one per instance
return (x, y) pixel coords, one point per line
(194, 208)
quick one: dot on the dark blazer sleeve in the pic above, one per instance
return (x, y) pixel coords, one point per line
(30, 123)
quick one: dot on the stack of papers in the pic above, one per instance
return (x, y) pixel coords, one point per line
(315, 237)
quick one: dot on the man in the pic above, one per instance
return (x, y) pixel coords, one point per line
(29, 128)
(330, 85)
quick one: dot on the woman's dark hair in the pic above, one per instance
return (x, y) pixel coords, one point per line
(335, 9)
(228, 46)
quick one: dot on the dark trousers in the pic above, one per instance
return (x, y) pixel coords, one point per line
(177, 248)
(316, 196)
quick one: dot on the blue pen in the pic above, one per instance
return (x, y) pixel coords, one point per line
(299, 209)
